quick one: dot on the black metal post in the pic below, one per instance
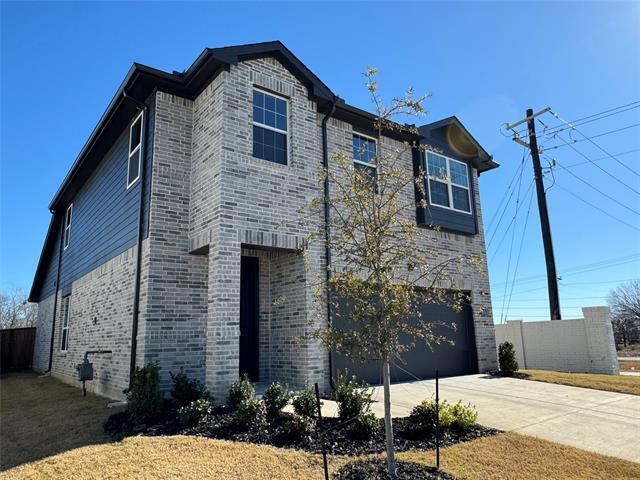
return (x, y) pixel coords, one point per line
(320, 435)
(437, 421)
(552, 277)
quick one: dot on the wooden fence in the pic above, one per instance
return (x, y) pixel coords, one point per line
(16, 349)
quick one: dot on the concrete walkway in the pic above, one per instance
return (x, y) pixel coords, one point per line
(595, 420)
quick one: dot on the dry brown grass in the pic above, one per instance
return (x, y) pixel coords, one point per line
(520, 457)
(611, 383)
(629, 365)
(40, 417)
(504, 457)
(175, 457)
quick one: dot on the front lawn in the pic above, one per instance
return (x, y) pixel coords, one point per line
(41, 416)
(502, 457)
(610, 383)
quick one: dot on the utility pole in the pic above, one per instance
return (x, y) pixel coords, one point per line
(552, 276)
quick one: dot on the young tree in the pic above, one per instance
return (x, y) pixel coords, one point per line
(15, 310)
(624, 302)
(383, 268)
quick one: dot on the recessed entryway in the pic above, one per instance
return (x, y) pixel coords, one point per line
(249, 318)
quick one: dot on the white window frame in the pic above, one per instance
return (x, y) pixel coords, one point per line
(268, 127)
(135, 150)
(447, 181)
(375, 141)
(68, 221)
(64, 325)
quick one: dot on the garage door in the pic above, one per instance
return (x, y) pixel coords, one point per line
(421, 361)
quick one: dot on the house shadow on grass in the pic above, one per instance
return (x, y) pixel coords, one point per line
(40, 417)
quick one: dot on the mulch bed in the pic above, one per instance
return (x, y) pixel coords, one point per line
(377, 469)
(338, 437)
(499, 373)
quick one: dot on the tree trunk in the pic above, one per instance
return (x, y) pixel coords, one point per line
(388, 427)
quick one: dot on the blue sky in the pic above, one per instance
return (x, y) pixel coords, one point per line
(484, 62)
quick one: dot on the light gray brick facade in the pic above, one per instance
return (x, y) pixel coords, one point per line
(212, 202)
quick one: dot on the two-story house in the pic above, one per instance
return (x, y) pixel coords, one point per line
(175, 237)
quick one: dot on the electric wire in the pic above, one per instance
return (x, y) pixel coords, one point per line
(590, 140)
(599, 191)
(515, 271)
(553, 147)
(606, 172)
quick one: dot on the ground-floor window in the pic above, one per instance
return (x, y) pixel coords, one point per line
(65, 311)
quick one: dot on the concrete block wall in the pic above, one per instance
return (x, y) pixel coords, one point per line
(580, 345)
(42, 344)
(99, 325)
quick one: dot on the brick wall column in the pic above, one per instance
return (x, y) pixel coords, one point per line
(223, 315)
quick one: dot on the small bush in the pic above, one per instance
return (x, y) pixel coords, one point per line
(297, 427)
(353, 398)
(191, 414)
(305, 404)
(464, 416)
(144, 398)
(186, 390)
(240, 391)
(507, 358)
(251, 412)
(423, 416)
(365, 426)
(276, 398)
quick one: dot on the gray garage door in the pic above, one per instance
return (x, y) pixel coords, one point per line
(421, 361)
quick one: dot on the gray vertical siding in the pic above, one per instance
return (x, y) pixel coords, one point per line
(49, 281)
(105, 214)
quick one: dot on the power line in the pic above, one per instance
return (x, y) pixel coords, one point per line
(553, 147)
(515, 271)
(594, 144)
(572, 285)
(598, 208)
(602, 158)
(525, 154)
(606, 172)
(631, 105)
(504, 235)
(579, 269)
(600, 191)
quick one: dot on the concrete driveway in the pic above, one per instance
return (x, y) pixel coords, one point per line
(602, 422)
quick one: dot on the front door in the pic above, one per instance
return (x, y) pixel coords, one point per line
(249, 315)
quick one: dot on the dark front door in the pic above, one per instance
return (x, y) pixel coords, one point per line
(249, 310)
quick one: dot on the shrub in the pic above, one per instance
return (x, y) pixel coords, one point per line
(241, 390)
(191, 414)
(464, 416)
(353, 398)
(144, 398)
(423, 416)
(251, 412)
(276, 398)
(507, 358)
(365, 426)
(305, 403)
(297, 427)
(186, 390)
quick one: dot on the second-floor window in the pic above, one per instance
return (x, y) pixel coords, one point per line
(270, 127)
(448, 183)
(364, 154)
(135, 151)
(65, 312)
(68, 216)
